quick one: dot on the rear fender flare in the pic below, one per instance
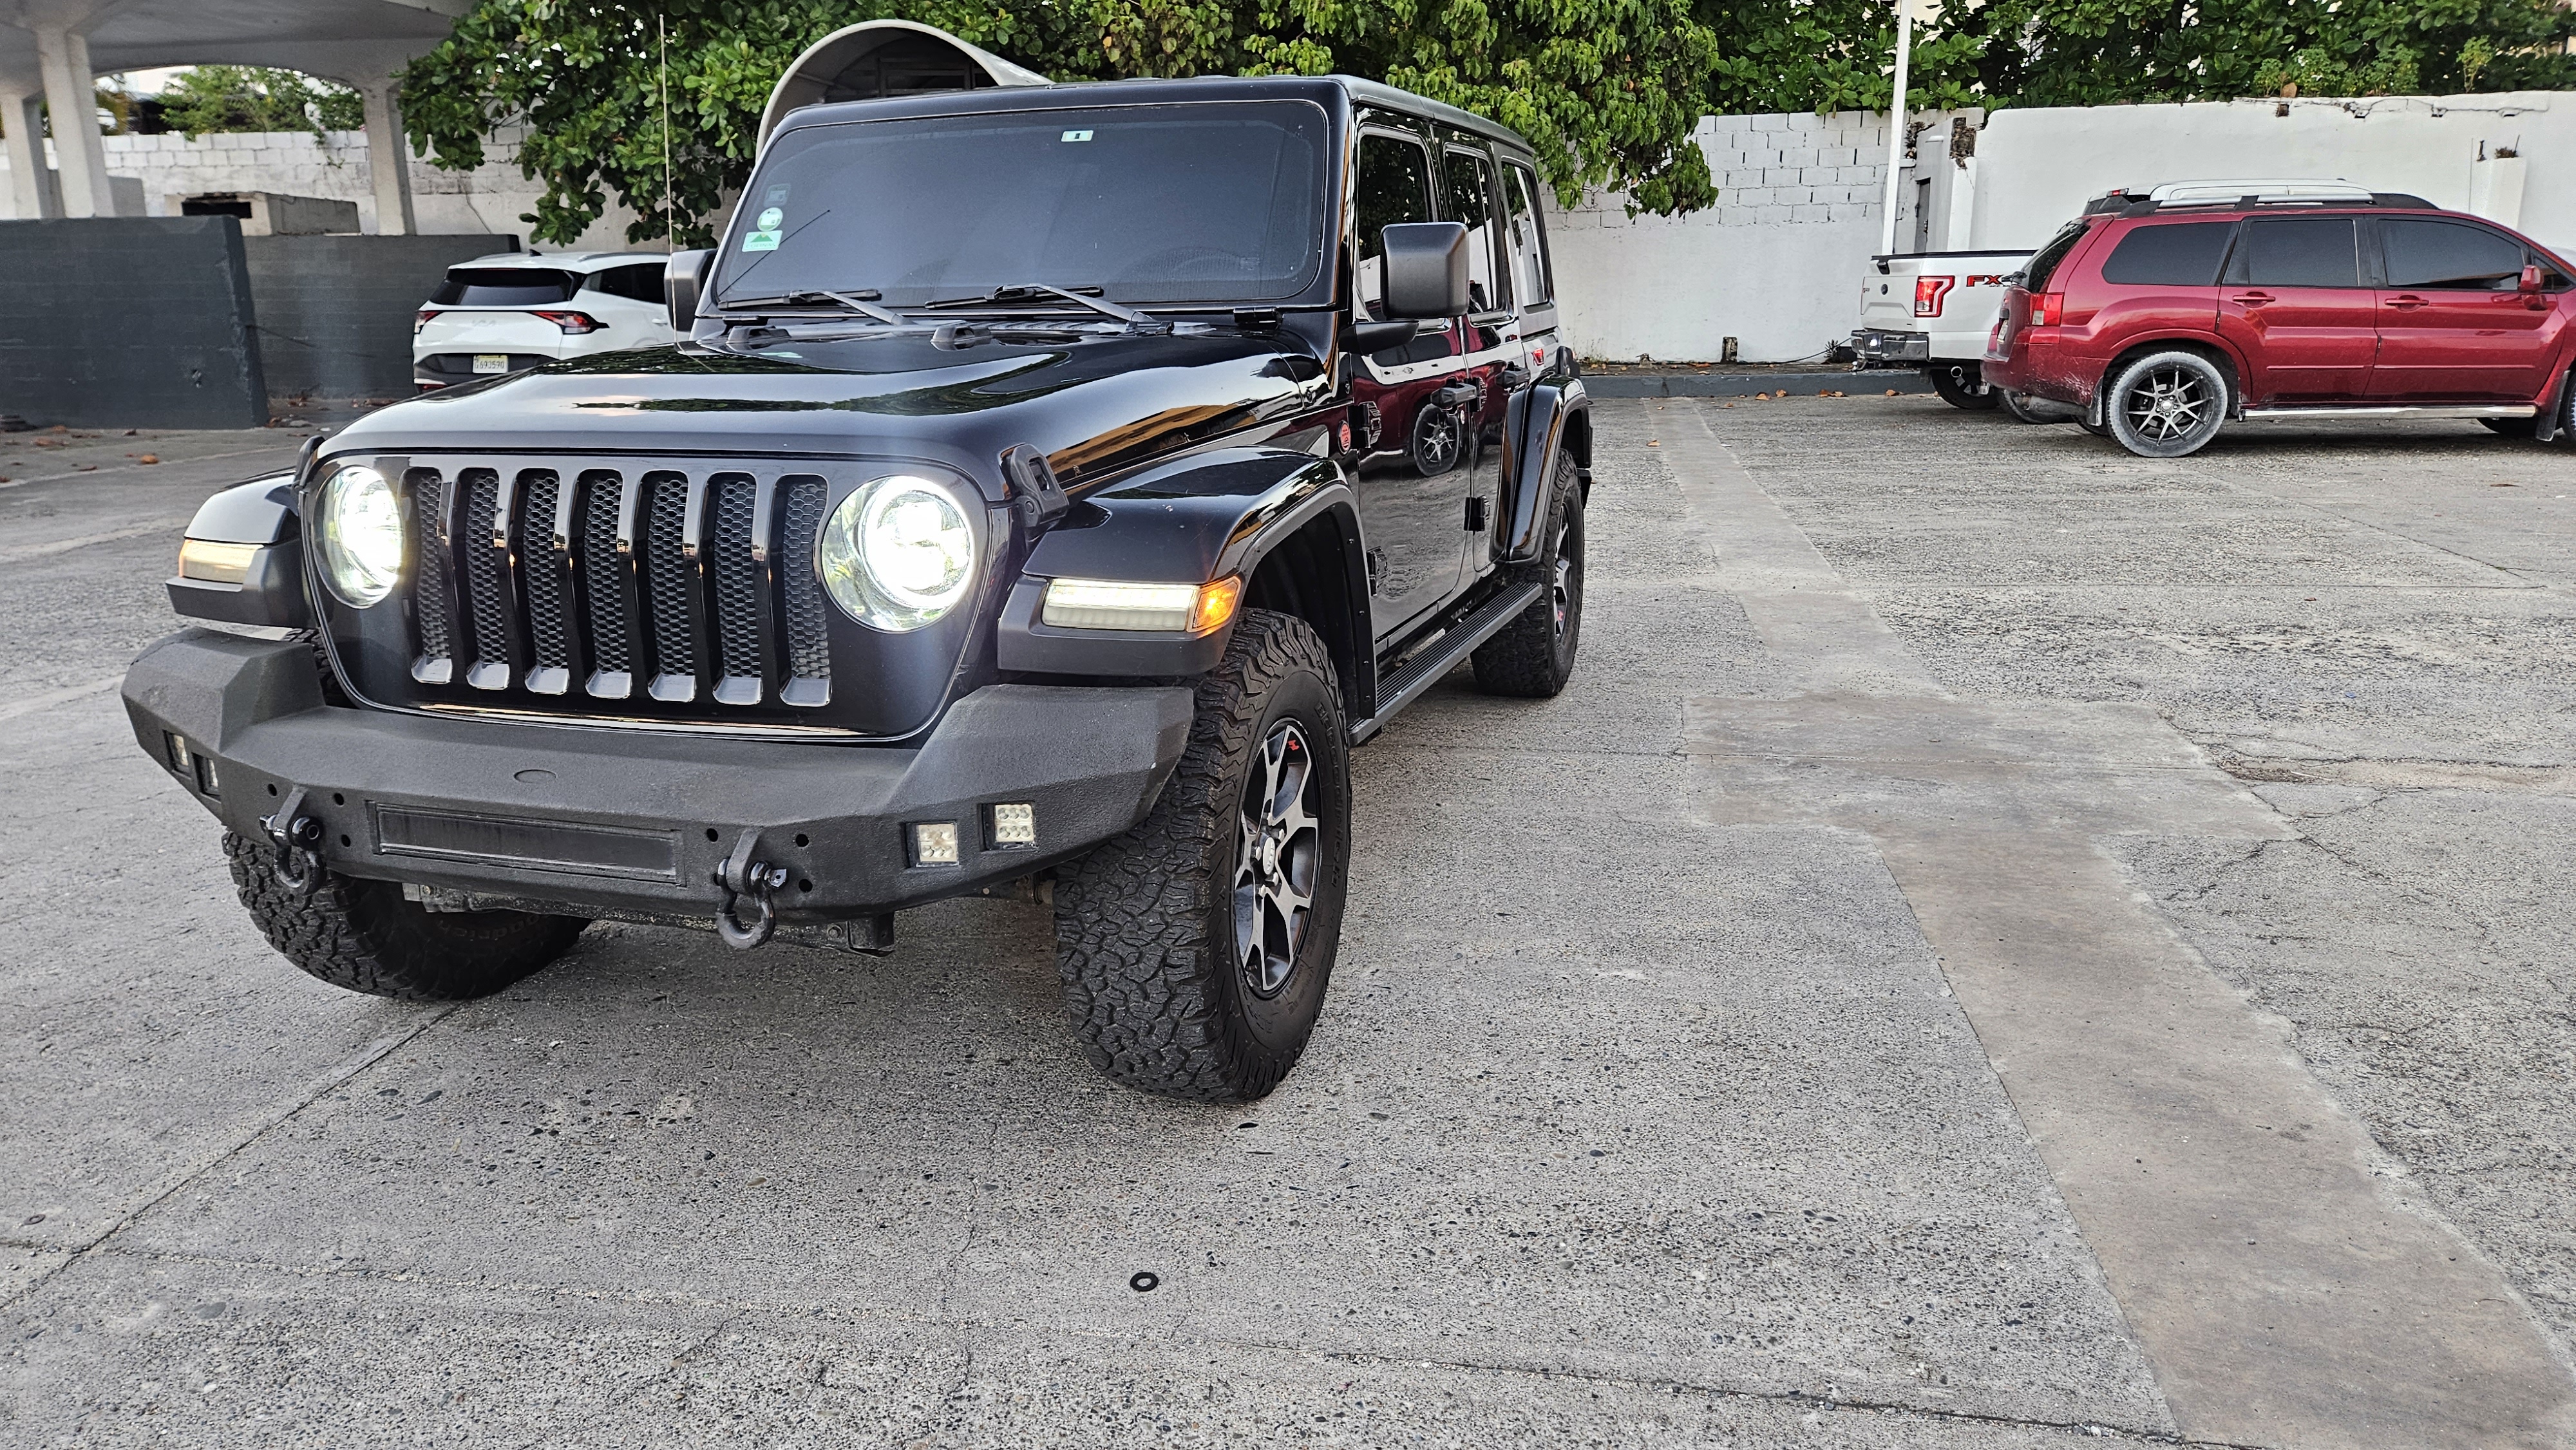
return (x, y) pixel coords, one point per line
(1541, 419)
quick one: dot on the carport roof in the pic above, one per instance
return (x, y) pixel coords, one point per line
(357, 41)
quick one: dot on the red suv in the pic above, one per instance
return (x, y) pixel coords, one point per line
(2162, 316)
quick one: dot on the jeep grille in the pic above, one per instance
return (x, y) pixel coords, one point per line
(596, 587)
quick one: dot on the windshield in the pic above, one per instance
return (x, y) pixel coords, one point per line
(1173, 203)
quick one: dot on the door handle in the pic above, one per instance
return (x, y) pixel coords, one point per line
(2251, 299)
(2408, 302)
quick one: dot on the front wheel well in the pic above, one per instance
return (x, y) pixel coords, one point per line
(1308, 575)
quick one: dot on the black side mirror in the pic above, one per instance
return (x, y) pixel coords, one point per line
(683, 276)
(1426, 269)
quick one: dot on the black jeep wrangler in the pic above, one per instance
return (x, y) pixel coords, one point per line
(1058, 482)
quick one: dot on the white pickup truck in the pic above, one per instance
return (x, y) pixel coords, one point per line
(1933, 310)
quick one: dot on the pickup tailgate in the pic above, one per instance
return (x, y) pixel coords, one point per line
(1953, 297)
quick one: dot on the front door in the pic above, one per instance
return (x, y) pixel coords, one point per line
(2295, 305)
(1415, 424)
(2453, 324)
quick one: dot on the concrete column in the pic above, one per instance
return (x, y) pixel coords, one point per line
(388, 159)
(71, 94)
(22, 112)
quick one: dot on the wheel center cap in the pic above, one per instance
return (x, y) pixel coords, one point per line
(1269, 855)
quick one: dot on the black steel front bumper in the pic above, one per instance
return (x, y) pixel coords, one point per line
(637, 823)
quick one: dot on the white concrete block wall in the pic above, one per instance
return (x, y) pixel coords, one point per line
(1796, 219)
(489, 198)
(2037, 166)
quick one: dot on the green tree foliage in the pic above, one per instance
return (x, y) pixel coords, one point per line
(1789, 55)
(257, 98)
(1608, 90)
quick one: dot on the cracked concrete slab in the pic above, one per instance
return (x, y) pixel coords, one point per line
(2284, 1290)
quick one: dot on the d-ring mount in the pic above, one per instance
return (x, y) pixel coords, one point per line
(739, 879)
(295, 834)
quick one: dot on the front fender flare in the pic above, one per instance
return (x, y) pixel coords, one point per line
(1189, 521)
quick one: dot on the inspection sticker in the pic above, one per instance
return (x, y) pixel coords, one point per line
(762, 241)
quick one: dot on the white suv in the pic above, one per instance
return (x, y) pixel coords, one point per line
(514, 310)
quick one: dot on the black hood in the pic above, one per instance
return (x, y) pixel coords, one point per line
(1095, 405)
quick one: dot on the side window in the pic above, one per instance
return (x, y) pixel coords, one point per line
(2449, 256)
(2173, 254)
(2300, 252)
(1393, 185)
(1530, 280)
(641, 283)
(1467, 195)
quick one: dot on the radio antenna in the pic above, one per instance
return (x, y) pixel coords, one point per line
(662, 31)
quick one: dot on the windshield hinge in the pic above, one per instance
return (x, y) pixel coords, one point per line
(1036, 496)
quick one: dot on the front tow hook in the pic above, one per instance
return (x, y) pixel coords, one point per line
(742, 879)
(296, 835)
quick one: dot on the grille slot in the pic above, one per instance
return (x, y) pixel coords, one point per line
(570, 588)
(541, 568)
(608, 586)
(432, 592)
(737, 591)
(809, 636)
(486, 581)
(670, 578)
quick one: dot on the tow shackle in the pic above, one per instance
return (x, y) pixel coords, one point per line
(742, 879)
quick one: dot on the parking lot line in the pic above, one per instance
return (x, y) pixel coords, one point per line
(2286, 1286)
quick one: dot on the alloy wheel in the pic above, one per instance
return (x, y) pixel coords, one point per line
(1277, 863)
(2168, 404)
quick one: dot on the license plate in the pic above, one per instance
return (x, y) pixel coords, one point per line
(491, 362)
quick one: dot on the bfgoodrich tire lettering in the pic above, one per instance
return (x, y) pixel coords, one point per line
(364, 936)
(2167, 404)
(1171, 988)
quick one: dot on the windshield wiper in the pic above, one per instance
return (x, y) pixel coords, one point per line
(862, 303)
(1128, 315)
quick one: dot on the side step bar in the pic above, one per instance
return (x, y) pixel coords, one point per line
(1443, 654)
(2394, 410)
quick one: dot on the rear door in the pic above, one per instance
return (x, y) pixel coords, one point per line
(2453, 325)
(2297, 308)
(1470, 194)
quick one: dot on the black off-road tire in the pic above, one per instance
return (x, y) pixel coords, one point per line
(1146, 924)
(364, 936)
(1533, 656)
(2140, 393)
(1963, 385)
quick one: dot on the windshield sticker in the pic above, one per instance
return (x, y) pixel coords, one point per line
(764, 240)
(770, 219)
(1077, 135)
(775, 196)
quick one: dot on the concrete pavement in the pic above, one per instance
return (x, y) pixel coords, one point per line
(1668, 1093)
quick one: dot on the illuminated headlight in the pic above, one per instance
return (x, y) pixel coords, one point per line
(361, 536)
(1156, 608)
(898, 553)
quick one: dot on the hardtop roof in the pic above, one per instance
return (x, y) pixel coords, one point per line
(1322, 90)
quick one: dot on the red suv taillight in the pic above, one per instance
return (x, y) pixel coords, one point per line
(1928, 292)
(575, 323)
(2045, 308)
(426, 314)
